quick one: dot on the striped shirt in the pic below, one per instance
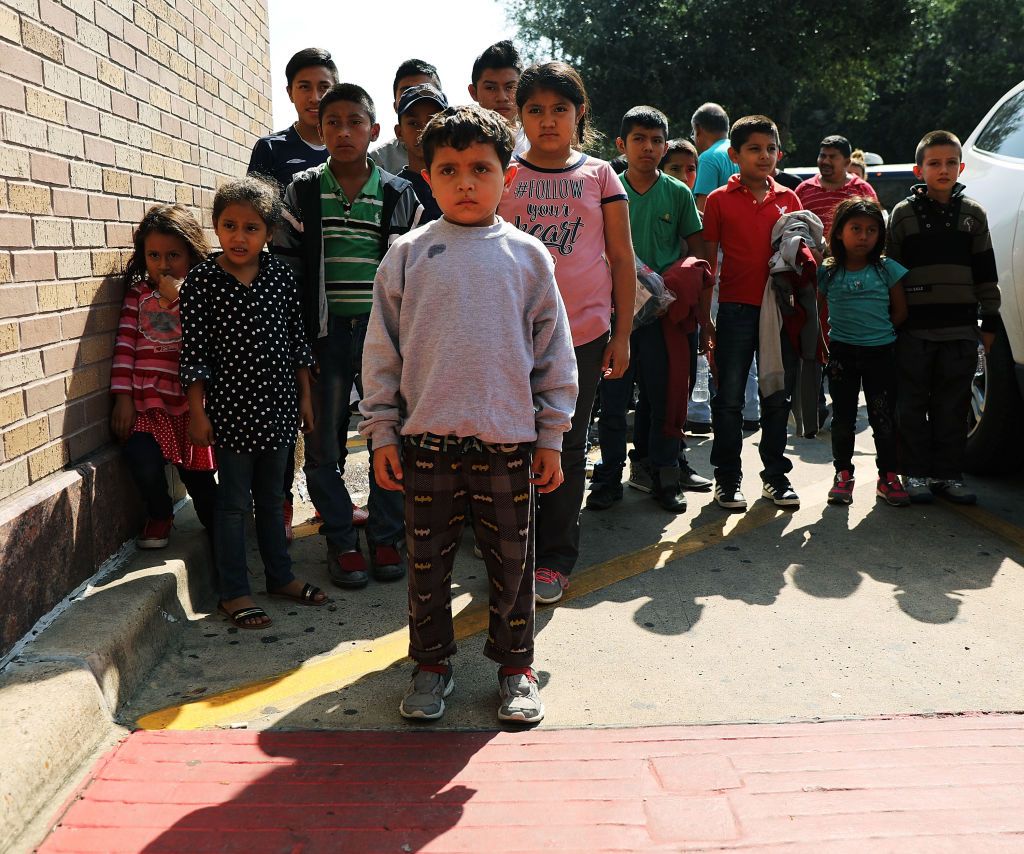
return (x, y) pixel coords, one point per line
(352, 239)
(822, 202)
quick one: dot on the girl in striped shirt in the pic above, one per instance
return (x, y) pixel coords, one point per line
(150, 416)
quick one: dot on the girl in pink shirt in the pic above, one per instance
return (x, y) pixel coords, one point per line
(150, 414)
(576, 205)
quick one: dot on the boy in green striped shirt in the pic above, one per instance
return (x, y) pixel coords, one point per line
(342, 216)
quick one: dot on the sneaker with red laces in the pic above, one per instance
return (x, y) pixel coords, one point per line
(842, 488)
(289, 512)
(387, 562)
(347, 569)
(360, 515)
(155, 533)
(549, 586)
(891, 490)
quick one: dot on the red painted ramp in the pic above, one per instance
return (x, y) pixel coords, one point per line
(903, 785)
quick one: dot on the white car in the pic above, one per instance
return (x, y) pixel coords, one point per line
(994, 175)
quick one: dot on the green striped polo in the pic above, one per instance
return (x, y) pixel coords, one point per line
(352, 237)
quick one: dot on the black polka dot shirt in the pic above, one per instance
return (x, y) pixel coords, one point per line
(245, 344)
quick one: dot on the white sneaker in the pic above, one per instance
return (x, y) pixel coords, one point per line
(729, 497)
(424, 698)
(520, 699)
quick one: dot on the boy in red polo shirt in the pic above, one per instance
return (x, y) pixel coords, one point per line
(739, 217)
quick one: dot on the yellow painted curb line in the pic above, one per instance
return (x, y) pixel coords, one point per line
(990, 522)
(344, 668)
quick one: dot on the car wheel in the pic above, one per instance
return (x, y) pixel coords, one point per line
(993, 441)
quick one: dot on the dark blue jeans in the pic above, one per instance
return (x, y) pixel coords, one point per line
(246, 480)
(648, 367)
(146, 463)
(737, 341)
(339, 356)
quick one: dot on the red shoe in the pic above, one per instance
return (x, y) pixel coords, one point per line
(891, 490)
(155, 533)
(360, 516)
(387, 563)
(288, 511)
(842, 488)
(348, 569)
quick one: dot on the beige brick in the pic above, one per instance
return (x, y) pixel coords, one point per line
(85, 8)
(47, 460)
(88, 232)
(95, 348)
(163, 191)
(33, 266)
(16, 300)
(45, 106)
(62, 80)
(20, 369)
(124, 106)
(40, 40)
(110, 21)
(14, 162)
(12, 93)
(16, 231)
(29, 198)
(150, 117)
(83, 117)
(92, 37)
(119, 234)
(173, 170)
(56, 297)
(37, 331)
(53, 232)
(110, 74)
(57, 16)
(99, 150)
(130, 210)
(59, 357)
(74, 265)
(13, 477)
(145, 19)
(70, 203)
(96, 94)
(78, 59)
(50, 170)
(139, 136)
(24, 130)
(183, 194)
(12, 407)
(86, 176)
(9, 337)
(19, 63)
(135, 36)
(88, 440)
(142, 186)
(114, 128)
(83, 381)
(160, 98)
(64, 140)
(126, 157)
(94, 292)
(10, 25)
(102, 207)
(116, 182)
(105, 262)
(3, 198)
(26, 437)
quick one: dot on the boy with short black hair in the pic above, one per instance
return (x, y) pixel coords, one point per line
(941, 236)
(665, 226)
(470, 382)
(495, 75)
(282, 155)
(392, 156)
(416, 107)
(739, 217)
(343, 215)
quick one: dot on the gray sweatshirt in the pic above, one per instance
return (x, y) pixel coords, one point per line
(468, 337)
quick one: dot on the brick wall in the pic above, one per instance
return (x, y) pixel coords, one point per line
(106, 106)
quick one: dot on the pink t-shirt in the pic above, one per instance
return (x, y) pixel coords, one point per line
(563, 208)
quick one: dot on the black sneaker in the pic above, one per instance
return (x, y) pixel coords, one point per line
(698, 428)
(689, 479)
(603, 494)
(781, 492)
(728, 495)
(667, 491)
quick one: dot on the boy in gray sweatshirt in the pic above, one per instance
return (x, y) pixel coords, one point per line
(469, 382)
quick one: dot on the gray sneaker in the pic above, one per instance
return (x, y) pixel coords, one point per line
(549, 585)
(424, 700)
(917, 490)
(640, 476)
(954, 491)
(520, 699)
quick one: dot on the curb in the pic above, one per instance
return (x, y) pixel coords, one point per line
(63, 692)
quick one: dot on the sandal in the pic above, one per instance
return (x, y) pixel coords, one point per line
(242, 614)
(306, 597)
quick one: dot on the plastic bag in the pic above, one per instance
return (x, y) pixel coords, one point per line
(652, 297)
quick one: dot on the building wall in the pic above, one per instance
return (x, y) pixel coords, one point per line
(106, 106)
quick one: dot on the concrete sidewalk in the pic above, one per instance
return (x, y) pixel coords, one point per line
(953, 784)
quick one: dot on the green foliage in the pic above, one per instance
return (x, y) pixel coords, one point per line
(880, 71)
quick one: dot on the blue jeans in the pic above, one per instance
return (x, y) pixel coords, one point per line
(648, 367)
(246, 480)
(737, 341)
(339, 355)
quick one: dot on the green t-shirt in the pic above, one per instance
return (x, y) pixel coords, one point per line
(351, 242)
(660, 220)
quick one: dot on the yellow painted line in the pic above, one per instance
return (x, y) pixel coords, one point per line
(990, 522)
(348, 666)
(356, 442)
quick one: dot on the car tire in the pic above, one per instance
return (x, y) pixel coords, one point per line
(994, 446)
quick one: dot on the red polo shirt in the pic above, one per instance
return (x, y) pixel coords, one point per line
(822, 202)
(743, 230)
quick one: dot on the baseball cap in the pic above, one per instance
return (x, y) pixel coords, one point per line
(421, 92)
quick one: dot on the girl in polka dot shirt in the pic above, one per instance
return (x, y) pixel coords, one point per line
(151, 414)
(245, 367)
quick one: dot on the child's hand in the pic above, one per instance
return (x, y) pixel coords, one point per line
(169, 288)
(707, 338)
(987, 340)
(306, 414)
(387, 468)
(615, 361)
(200, 430)
(547, 470)
(123, 417)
